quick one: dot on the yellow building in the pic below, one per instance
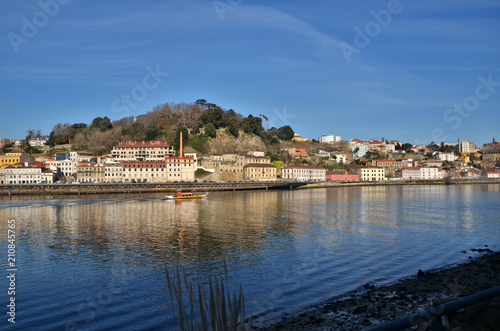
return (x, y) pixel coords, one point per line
(492, 157)
(296, 137)
(10, 158)
(15, 157)
(369, 173)
(260, 171)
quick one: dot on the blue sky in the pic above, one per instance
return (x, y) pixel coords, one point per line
(416, 71)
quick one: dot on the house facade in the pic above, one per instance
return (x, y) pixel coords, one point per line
(445, 156)
(304, 173)
(144, 171)
(329, 139)
(490, 175)
(420, 173)
(20, 174)
(113, 173)
(142, 151)
(260, 171)
(342, 176)
(180, 168)
(369, 173)
(391, 164)
(359, 149)
(37, 142)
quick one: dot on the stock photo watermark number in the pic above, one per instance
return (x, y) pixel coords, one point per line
(11, 269)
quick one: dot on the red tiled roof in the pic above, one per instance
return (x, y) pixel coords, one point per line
(138, 144)
(303, 166)
(143, 162)
(178, 158)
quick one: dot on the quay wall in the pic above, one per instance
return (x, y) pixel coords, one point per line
(72, 189)
(79, 189)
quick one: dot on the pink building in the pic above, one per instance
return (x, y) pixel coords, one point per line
(297, 151)
(342, 176)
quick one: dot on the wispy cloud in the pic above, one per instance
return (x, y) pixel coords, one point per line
(267, 17)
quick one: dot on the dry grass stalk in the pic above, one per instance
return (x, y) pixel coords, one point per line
(217, 312)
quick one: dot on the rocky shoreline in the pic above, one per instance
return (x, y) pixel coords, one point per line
(373, 306)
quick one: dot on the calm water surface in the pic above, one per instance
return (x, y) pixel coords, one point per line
(94, 263)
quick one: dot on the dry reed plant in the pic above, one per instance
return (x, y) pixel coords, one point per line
(216, 310)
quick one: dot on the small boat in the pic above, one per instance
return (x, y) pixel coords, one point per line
(179, 195)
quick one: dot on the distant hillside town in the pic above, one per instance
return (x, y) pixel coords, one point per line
(203, 142)
(158, 162)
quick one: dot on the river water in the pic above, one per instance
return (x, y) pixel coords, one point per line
(98, 262)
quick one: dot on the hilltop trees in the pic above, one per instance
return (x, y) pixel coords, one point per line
(198, 121)
(210, 130)
(285, 132)
(102, 124)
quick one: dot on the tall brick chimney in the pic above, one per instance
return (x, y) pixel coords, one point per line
(180, 151)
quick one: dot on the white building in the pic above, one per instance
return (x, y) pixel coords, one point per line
(23, 175)
(391, 148)
(142, 151)
(341, 158)
(491, 175)
(37, 142)
(433, 163)
(181, 168)
(329, 139)
(79, 156)
(144, 171)
(113, 173)
(359, 149)
(420, 173)
(304, 173)
(65, 167)
(465, 146)
(47, 177)
(254, 153)
(445, 156)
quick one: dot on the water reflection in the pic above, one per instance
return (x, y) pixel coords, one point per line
(289, 249)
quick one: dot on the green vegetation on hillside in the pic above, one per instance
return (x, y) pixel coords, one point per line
(199, 121)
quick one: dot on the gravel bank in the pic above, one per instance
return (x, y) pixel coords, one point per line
(378, 306)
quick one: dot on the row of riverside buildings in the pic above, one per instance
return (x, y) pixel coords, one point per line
(155, 161)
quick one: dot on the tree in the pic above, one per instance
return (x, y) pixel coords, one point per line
(30, 134)
(252, 124)
(285, 133)
(234, 128)
(441, 148)
(177, 139)
(151, 134)
(201, 102)
(210, 130)
(102, 124)
(407, 146)
(6, 148)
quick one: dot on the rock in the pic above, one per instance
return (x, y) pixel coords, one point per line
(464, 251)
(474, 250)
(480, 250)
(359, 310)
(420, 273)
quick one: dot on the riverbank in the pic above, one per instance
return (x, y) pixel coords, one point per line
(373, 307)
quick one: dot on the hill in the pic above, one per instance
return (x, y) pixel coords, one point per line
(206, 127)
